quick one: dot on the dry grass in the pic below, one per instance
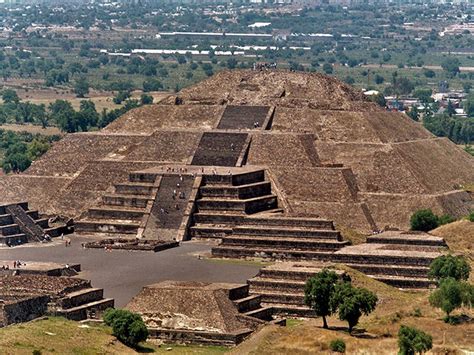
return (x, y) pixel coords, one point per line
(48, 131)
(376, 333)
(352, 235)
(459, 236)
(59, 336)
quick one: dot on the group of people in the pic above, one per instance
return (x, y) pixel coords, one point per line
(17, 264)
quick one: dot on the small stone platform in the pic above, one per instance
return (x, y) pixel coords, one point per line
(200, 312)
(132, 244)
(281, 286)
(39, 268)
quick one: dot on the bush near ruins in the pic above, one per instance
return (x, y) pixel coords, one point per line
(413, 341)
(423, 220)
(128, 327)
(326, 294)
(450, 295)
(352, 302)
(446, 266)
(471, 217)
(318, 293)
(338, 346)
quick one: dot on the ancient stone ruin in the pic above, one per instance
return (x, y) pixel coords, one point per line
(20, 225)
(37, 289)
(199, 312)
(270, 164)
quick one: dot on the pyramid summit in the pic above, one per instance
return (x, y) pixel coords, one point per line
(326, 153)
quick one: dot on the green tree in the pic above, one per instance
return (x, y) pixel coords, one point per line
(451, 66)
(379, 99)
(146, 99)
(327, 68)
(423, 220)
(445, 266)
(10, 96)
(413, 113)
(318, 293)
(451, 295)
(413, 341)
(81, 87)
(469, 105)
(450, 111)
(128, 327)
(62, 112)
(352, 302)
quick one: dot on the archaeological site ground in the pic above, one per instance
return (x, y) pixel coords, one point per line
(207, 212)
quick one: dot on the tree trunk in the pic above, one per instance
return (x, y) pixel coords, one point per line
(325, 323)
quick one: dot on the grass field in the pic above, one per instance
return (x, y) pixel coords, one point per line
(61, 336)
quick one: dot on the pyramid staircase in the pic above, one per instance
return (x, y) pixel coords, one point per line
(249, 305)
(226, 200)
(281, 286)
(401, 260)
(81, 302)
(122, 211)
(20, 225)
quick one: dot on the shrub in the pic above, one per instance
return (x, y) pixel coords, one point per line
(318, 292)
(471, 217)
(338, 346)
(451, 295)
(412, 340)
(445, 266)
(128, 327)
(423, 220)
(445, 219)
(352, 302)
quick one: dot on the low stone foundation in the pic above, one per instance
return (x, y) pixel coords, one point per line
(132, 244)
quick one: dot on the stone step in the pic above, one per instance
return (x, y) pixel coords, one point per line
(14, 239)
(78, 298)
(235, 179)
(311, 243)
(42, 222)
(404, 282)
(116, 212)
(297, 222)
(263, 313)
(126, 200)
(10, 229)
(270, 253)
(209, 231)
(430, 241)
(278, 296)
(379, 259)
(54, 232)
(288, 310)
(286, 232)
(142, 177)
(248, 303)
(33, 214)
(282, 274)
(107, 226)
(134, 188)
(6, 219)
(218, 217)
(246, 191)
(291, 286)
(81, 312)
(251, 205)
(395, 270)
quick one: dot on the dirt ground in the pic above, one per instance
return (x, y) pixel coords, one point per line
(122, 274)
